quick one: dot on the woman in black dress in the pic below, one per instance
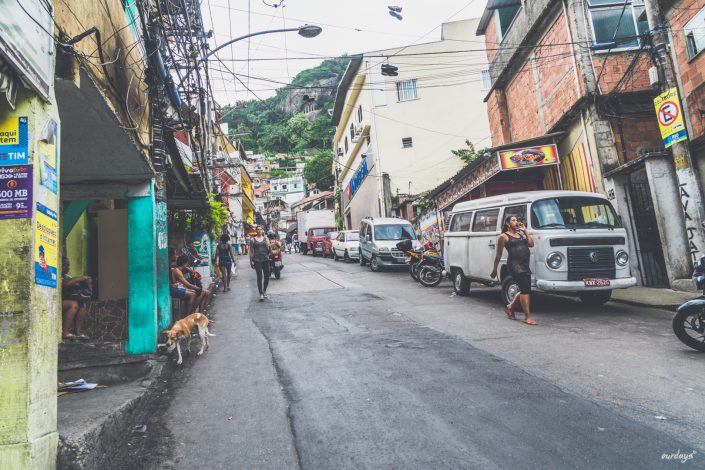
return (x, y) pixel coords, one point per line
(517, 240)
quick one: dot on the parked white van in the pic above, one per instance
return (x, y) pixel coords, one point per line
(580, 246)
(378, 241)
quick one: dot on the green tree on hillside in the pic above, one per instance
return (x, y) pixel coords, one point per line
(319, 170)
(298, 127)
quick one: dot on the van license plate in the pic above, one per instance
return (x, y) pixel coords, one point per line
(596, 282)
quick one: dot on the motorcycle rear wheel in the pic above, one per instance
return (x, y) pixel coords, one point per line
(430, 277)
(414, 270)
(689, 327)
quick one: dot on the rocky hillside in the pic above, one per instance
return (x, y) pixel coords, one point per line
(295, 120)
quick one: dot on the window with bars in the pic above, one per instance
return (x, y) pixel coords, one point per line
(486, 79)
(694, 31)
(612, 20)
(406, 90)
(407, 142)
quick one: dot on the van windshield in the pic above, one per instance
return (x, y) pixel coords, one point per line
(394, 232)
(573, 212)
(319, 232)
(353, 237)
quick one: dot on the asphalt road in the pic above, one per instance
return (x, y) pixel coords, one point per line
(345, 368)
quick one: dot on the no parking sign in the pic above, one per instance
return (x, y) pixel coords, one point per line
(670, 117)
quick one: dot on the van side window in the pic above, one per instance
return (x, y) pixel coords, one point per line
(486, 221)
(515, 211)
(461, 222)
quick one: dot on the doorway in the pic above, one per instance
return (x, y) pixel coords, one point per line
(649, 250)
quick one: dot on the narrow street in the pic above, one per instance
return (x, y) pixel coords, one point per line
(345, 368)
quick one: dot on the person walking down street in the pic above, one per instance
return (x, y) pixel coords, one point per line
(288, 241)
(225, 257)
(295, 240)
(517, 240)
(259, 260)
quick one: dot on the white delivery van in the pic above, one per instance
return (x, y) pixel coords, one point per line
(580, 246)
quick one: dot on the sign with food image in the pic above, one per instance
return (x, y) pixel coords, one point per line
(528, 157)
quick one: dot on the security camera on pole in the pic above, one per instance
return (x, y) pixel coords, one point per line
(670, 116)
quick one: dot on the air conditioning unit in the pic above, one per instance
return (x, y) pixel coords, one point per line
(358, 131)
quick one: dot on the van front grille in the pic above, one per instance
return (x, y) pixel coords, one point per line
(591, 262)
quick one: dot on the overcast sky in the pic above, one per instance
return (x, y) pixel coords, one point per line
(348, 27)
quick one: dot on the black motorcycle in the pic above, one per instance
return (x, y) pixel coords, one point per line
(689, 322)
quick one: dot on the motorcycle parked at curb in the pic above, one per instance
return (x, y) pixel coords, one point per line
(432, 270)
(420, 259)
(689, 322)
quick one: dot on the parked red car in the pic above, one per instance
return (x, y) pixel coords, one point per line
(328, 244)
(315, 239)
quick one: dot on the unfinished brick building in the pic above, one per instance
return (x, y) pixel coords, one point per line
(577, 71)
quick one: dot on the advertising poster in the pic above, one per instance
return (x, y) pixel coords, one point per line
(14, 139)
(528, 157)
(48, 156)
(670, 117)
(16, 192)
(46, 237)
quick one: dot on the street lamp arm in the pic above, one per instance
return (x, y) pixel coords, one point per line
(307, 31)
(258, 33)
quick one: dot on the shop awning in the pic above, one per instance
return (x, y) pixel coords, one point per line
(95, 148)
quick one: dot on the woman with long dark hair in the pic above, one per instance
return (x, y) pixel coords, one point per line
(259, 260)
(517, 240)
(225, 257)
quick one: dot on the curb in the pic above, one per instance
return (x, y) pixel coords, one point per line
(95, 447)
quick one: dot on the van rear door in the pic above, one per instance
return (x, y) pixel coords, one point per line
(455, 243)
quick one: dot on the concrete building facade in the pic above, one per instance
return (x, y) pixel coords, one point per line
(394, 134)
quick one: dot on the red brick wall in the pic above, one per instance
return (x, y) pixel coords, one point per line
(491, 40)
(615, 67)
(522, 105)
(692, 73)
(499, 120)
(636, 131)
(557, 74)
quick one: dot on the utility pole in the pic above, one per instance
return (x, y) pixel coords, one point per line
(688, 187)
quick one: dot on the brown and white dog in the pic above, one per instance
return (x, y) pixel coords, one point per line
(182, 329)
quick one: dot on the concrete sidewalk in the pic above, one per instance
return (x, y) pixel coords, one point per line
(652, 297)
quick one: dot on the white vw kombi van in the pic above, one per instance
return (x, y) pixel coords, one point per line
(580, 246)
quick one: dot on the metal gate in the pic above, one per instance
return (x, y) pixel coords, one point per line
(649, 251)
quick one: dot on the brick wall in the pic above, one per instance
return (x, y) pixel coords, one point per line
(636, 131)
(616, 66)
(498, 117)
(692, 72)
(557, 74)
(522, 106)
(491, 40)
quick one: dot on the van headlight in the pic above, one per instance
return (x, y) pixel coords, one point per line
(384, 249)
(622, 258)
(554, 260)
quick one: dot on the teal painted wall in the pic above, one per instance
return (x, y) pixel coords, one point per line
(142, 275)
(163, 297)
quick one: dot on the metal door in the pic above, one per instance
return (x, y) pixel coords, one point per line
(649, 250)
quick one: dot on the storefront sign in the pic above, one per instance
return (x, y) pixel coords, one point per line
(16, 192)
(356, 180)
(528, 157)
(24, 41)
(670, 117)
(45, 247)
(13, 141)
